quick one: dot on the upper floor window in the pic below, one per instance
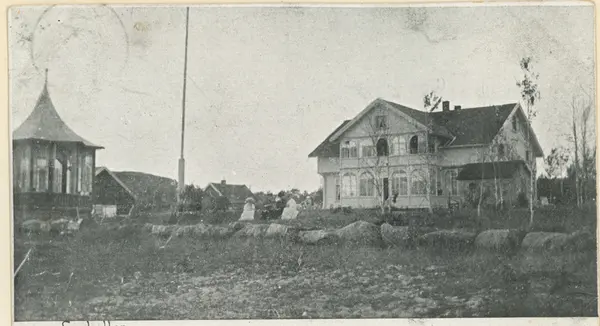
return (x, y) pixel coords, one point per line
(398, 145)
(515, 123)
(381, 122)
(349, 149)
(414, 144)
(382, 147)
(501, 151)
(367, 150)
(527, 156)
(431, 145)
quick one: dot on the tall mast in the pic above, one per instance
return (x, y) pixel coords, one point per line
(181, 181)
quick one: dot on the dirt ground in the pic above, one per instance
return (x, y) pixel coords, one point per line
(127, 276)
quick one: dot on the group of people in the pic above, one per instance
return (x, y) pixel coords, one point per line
(285, 207)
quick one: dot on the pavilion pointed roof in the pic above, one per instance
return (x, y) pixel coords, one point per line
(44, 123)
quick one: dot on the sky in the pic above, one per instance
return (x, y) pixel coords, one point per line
(266, 85)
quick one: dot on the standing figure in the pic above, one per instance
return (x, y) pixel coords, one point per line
(248, 213)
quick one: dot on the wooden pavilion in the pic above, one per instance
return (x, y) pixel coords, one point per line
(53, 167)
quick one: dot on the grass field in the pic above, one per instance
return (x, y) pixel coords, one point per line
(92, 276)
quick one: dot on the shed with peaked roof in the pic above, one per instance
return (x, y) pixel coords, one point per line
(53, 167)
(111, 194)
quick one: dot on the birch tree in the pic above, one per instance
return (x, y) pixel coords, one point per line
(530, 95)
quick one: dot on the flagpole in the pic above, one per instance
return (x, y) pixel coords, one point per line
(181, 181)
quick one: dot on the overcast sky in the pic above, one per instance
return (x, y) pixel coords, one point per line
(267, 84)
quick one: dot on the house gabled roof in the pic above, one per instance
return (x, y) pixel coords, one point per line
(327, 148)
(474, 126)
(114, 176)
(464, 127)
(44, 123)
(235, 193)
(490, 170)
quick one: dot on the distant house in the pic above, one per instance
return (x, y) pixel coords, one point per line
(111, 196)
(236, 194)
(417, 159)
(153, 193)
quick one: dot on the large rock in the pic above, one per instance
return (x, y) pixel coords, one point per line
(400, 236)
(545, 241)
(276, 231)
(36, 226)
(498, 240)
(162, 230)
(361, 233)
(314, 237)
(253, 231)
(449, 239)
(582, 241)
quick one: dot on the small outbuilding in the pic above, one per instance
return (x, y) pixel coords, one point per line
(111, 196)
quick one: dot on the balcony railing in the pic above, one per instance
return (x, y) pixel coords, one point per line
(51, 200)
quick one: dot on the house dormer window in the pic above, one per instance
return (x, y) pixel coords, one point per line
(381, 122)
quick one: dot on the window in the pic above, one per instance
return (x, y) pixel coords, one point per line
(349, 149)
(432, 182)
(349, 185)
(397, 145)
(86, 174)
(381, 122)
(515, 123)
(501, 151)
(418, 183)
(57, 176)
(431, 145)
(414, 144)
(382, 147)
(400, 183)
(22, 178)
(41, 175)
(451, 183)
(367, 185)
(367, 150)
(338, 189)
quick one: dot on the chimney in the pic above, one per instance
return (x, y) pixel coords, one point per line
(457, 108)
(446, 106)
(223, 182)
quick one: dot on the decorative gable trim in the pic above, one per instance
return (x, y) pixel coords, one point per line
(366, 110)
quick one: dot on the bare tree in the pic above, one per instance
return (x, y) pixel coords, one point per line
(583, 153)
(530, 95)
(374, 159)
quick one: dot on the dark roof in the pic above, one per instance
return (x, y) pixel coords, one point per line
(44, 123)
(489, 170)
(468, 126)
(474, 126)
(235, 193)
(101, 169)
(327, 148)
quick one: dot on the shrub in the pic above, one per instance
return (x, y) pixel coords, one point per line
(522, 200)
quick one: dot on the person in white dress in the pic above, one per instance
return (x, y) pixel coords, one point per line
(249, 208)
(290, 211)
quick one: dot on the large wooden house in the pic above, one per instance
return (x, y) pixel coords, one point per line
(53, 167)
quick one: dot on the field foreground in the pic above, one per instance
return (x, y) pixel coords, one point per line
(124, 275)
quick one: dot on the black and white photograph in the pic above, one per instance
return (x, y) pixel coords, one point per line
(306, 162)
